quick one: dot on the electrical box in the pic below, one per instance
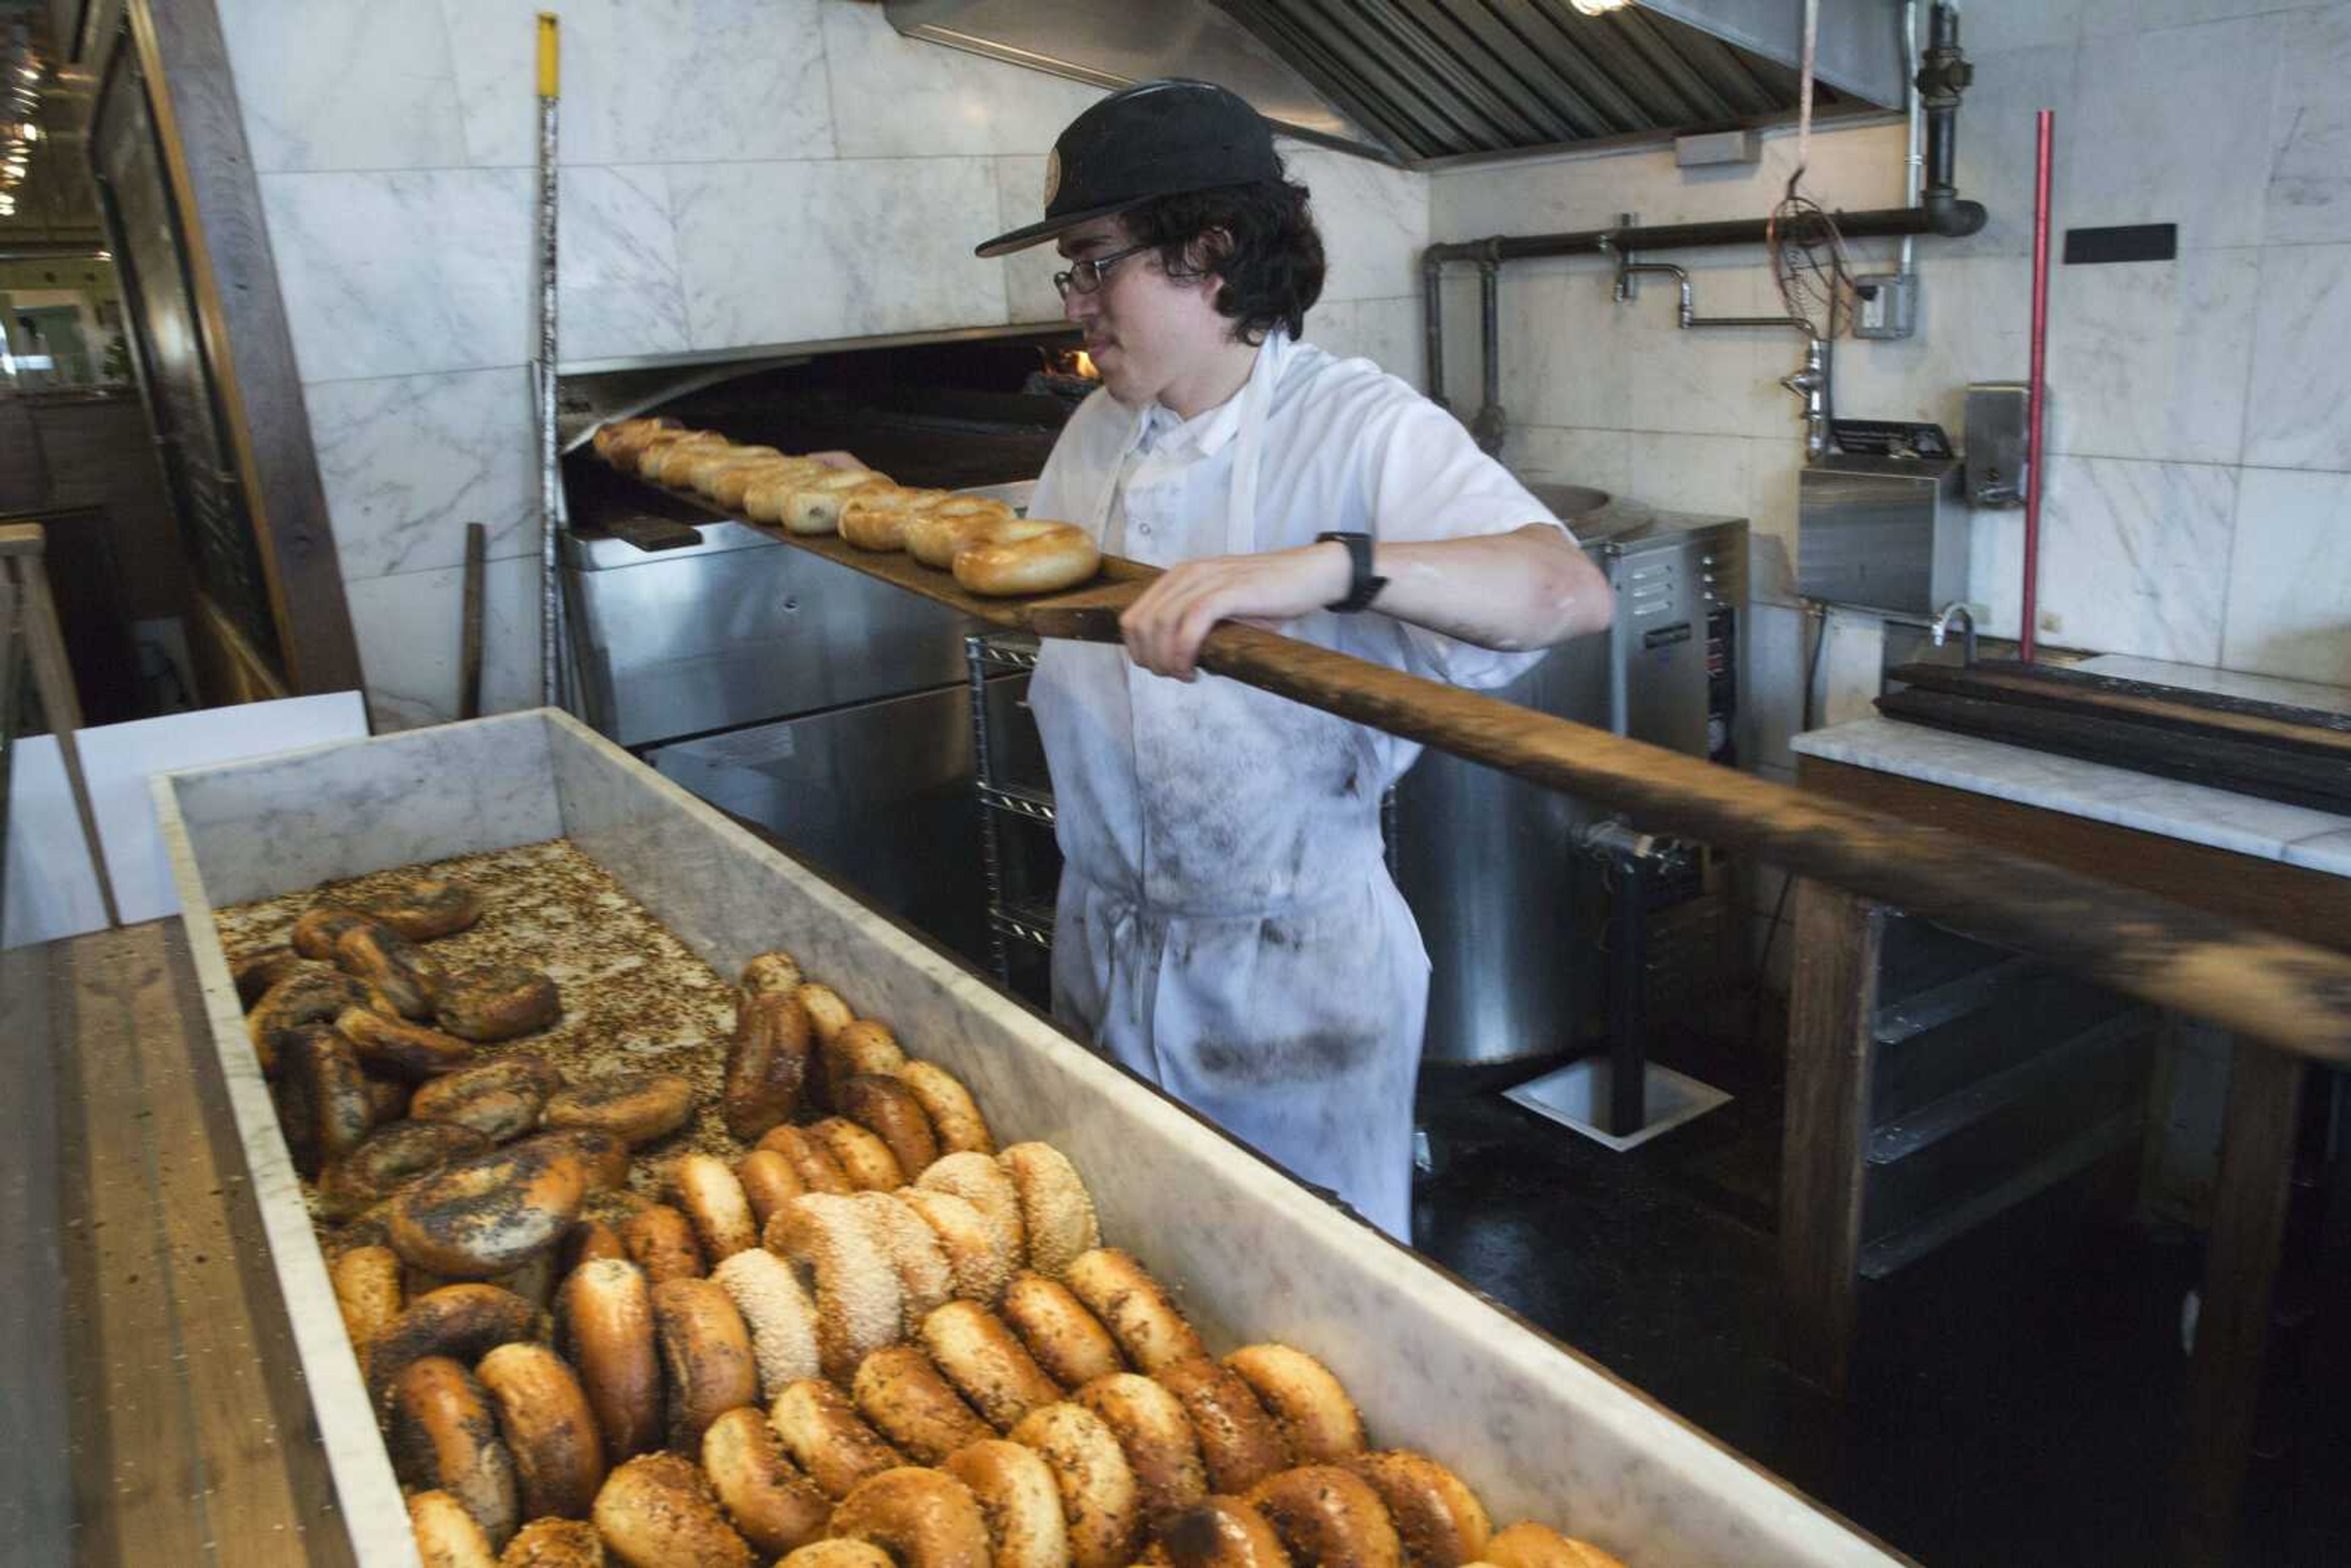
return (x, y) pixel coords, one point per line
(1886, 305)
(1998, 438)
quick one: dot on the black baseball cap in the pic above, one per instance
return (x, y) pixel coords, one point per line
(1154, 139)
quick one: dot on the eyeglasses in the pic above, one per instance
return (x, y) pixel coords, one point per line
(1085, 274)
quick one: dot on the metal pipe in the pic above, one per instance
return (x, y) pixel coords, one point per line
(1491, 423)
(2040, 394)
(1882, 223)
(1942, 81)
(1432, 325)
(1811, 383)
(1914, 156)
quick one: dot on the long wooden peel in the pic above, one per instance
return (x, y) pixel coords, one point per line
(2283, 993)
(2287, 994)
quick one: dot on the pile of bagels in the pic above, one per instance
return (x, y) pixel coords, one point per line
(987, 546)
(867, 1337)
(359, 1027)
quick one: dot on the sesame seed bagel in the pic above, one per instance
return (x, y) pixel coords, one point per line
(1316, 1417)
(1240, 1442)
(1056, 1214)
(781, 1319)
(657, 1512)
(1017, 1498)
(1100, 1501)
(1138, 1312)
(979, 1181)
(980, 1354)
(901, 1394)
(923, 1519)
(604, 1324)
(925, 1279)
(857, 1292)
(543, 1417)
(1069, 1342)
(768, 1501)
(978, 1262)
(828, 1439)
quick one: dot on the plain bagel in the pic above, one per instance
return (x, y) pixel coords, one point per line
(549, 1430)
(605, 1324)
(1026, 555)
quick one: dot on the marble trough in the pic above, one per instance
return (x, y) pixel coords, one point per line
(1539, 1431)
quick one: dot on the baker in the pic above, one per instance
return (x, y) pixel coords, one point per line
(1227, 927)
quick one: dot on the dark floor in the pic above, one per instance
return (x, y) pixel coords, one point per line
(2017, 1393)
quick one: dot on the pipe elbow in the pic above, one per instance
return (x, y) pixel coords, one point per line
(1954, 218)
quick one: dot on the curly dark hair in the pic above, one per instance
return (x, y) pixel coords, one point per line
(1258, 240)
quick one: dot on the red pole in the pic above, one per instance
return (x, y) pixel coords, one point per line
(2039, 393)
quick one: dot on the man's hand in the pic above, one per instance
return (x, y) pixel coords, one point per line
(1165, 627)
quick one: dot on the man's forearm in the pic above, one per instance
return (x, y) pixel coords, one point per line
(1527, 589)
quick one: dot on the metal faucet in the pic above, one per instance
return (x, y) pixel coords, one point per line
(1956, 610)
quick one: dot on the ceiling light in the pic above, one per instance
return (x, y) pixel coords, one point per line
(1599, 8)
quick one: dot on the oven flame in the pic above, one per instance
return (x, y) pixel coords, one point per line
(1083, 363)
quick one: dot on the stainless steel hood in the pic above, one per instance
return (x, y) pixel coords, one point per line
(1418, 82)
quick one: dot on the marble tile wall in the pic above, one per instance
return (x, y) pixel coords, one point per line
(734, 172)
(2199, 499)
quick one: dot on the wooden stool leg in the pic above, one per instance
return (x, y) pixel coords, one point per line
(1832, 1013)
(2240, 1267)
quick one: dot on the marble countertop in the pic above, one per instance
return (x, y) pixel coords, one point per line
(2246, 824)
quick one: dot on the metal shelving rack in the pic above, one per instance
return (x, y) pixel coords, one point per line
(1009, 918)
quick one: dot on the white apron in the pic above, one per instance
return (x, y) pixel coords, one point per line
(1253, 958)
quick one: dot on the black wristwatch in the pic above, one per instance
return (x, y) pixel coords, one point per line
(1364, 587)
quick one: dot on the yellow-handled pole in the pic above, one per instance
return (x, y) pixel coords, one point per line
(550, 54)
(550, 485)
